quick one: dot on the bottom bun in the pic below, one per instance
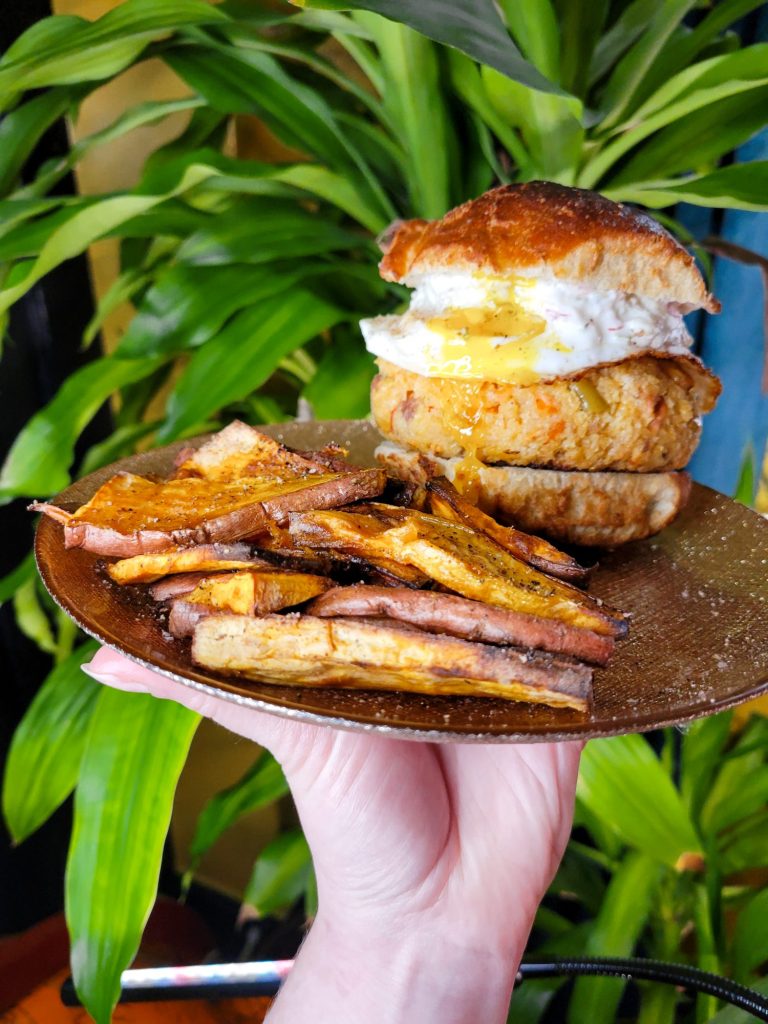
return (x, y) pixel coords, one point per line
(587, 508)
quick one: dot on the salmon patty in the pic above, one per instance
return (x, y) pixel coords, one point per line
(639, 415)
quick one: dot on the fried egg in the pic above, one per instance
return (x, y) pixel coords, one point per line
(520, 329)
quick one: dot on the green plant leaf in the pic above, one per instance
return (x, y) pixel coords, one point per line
(749, 948)
(60, 50)
(630, 72)
(249, 82)
(701, 754)
(747, 485)
(121, 442)
(47, 747)
(263, 231)
(24, 571)
(134, 753)
(739, 791)
(31, 618)
(243, 355)
(188, 305)
(696, 141)
(262, 784)
(20, 131)
(416, 107)
(280, 875)
(472, 26)
(534, 27)
(95, 219)
(623, 783)
(341, 387)
(617, 928)
(581, 26)
(122, 289)
(334, 188)
(741, 187)
(622, 34)
(38, 462)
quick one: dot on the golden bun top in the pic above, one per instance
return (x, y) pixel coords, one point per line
(544, 227)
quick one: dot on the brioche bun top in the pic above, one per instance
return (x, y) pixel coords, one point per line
(543, 227)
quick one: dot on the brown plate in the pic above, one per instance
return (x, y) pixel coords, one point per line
(698, 594)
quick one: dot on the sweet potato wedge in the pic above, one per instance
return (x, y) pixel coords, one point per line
(131, 515)
(445, 501)
(244, 593)
(382, 655)
(458, 616)
(457, 557)
(205, 558)
(240, 451)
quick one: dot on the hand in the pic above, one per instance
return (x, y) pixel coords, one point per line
(431, 860)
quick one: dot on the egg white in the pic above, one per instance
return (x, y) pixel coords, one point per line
(583, 328)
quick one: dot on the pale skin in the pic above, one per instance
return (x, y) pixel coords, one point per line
(431, 860)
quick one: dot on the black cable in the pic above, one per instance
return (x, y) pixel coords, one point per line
(633, 968)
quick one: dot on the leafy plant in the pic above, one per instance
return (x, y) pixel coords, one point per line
(401, 115)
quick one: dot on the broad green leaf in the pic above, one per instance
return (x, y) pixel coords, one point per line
(38, 463)
(580, 29)
(31, 618)
(47, 747)
(60, 50)
(739, 791)
(188, 305)
(747, 485)
(698, 140)
(619, 923)
(749, 64)
(619, 94)
(622, 782)
(681, 52)
(121, 442)
(534, 27)
(580, 878)
(244, 355)
(341, 387)
(744, 847)
(749, 949)
(85, 225)
(24, 571)
(733, 1015)
(263, 231)
(134, 753)
(467, 81)
(280, 874)
(622, 34)
(249, 82)
(550, 125)
(135, 117)
(472, 26)
(700, 757)
(262, 784)
(21, 129)
(740, 187)
(416, 106)
(122, 289)
(336, 189)
(702, 100)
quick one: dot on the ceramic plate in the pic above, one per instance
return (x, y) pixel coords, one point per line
(698, 594)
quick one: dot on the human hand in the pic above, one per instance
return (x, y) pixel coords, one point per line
(430, 859)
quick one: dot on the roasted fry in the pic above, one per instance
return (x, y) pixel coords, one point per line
(456, 557)
(386, 656)
(244, 593)
(131, 515)
(200, 558)
(471, 620)
(446, 501)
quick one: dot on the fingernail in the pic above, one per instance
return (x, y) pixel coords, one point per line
(109, 679)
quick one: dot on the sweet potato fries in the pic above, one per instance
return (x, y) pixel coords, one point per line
(293, 567)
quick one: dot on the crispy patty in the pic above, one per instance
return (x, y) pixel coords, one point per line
(639, 415)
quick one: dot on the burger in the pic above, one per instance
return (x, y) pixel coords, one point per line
(543, 364)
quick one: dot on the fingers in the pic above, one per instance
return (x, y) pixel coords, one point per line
(284, 738)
